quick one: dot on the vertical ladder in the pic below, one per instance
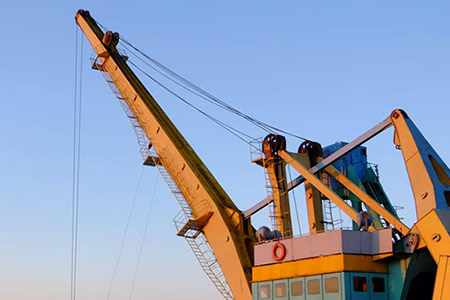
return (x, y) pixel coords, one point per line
(328, 215)
(270, 191)
(256, 154)
(329, 208)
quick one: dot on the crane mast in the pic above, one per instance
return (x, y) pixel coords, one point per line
(226, 230)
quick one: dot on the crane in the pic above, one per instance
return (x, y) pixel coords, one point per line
(215, 215)
(248, 269)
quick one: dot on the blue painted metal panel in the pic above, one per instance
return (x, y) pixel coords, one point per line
(346, 286)
(297, 289)
(397, 269)
(356, 158)
(427, 153)
(379, 287)
(314, 287)
(359, 286)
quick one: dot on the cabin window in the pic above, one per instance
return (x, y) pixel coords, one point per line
(264, 291)
(313, 287)
(378, 284)
(331, 285)
(280, 290)
(360, 284)
(297, 288)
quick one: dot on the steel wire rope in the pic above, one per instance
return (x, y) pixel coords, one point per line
(125, 233)
(191, 90)
(225, 126)
(147, 223)
(266, 127)
(216, 100)
(76, 158)
(181, 85)
(74, 162)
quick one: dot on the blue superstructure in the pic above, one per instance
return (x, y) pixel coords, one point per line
(333, 286)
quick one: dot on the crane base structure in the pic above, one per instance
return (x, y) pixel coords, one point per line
(387, 260)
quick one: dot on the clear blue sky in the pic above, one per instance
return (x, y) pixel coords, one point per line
(327, 70)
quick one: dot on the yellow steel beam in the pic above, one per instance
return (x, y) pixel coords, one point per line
(319, 265)
(428, 174)
(313, 198)
(230, 237)
(434, 234)
(330, 194)
(367, 199)
(276, 168)
(442, 282)
(314, 206)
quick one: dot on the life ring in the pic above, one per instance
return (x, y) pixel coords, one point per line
(274, 251)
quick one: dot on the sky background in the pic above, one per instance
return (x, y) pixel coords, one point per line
(327, 70)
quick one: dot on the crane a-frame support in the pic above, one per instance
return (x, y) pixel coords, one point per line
(310, 177)
(385, 124)
(230, 236)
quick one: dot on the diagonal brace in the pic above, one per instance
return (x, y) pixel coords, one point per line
(367, 200)
(318, 184)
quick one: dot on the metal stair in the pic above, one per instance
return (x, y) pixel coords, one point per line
(195, 237)
(184, 220)
(142, 139)
(204, 254)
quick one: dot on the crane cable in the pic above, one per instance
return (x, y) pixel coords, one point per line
(198, 91)
(239, 134)
(144, 235)
(190, 89)
(212, 99)
(122, 244)
(76, 161)
(174, 81)
(125, 233)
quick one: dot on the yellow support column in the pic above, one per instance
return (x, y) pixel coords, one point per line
(442, 283)
(276, 168)
(290, 158)
(313, 199)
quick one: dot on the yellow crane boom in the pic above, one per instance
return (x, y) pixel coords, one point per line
(228, 233)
